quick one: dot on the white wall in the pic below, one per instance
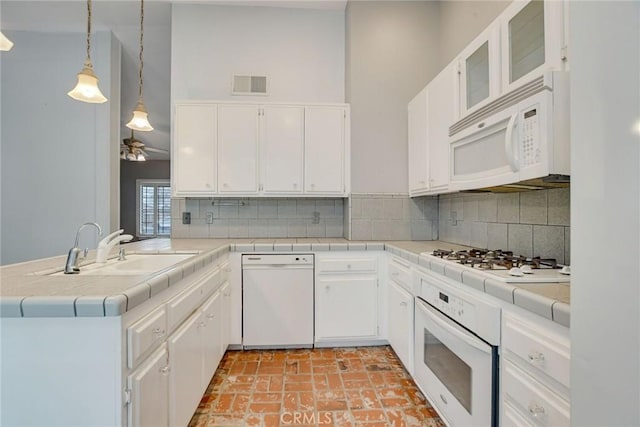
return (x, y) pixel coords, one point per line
(392, 53)
(57, 153)
(301, 51)
(605, 213)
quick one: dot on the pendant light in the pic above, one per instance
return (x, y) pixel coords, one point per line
(140, 121)
(87, 89)
(5, 43)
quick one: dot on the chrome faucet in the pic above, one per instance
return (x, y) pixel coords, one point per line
(106, 244)
(71, 266)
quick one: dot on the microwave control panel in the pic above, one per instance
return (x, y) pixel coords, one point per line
(529, 137)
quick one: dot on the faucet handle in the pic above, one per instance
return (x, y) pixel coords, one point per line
(110, 237)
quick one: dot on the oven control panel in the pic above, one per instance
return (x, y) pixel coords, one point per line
(452, 305)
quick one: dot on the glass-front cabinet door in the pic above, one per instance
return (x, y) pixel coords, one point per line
(479, 71)
(533, 41)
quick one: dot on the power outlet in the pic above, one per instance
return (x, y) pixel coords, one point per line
(316, 218)
(209, 217)
(186, 217)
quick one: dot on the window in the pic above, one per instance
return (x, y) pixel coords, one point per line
(153, 208)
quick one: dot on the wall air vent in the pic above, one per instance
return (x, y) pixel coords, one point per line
(249, 85)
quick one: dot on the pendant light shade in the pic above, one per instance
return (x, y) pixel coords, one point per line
(140, 120)
(5, 43)
(87, 90)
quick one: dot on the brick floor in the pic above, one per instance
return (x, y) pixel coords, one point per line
(363, 386)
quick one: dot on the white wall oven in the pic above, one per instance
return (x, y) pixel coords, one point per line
(457, 335)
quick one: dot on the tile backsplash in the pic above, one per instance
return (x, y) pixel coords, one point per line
(534, 223)
(258, 218)
(393, 217)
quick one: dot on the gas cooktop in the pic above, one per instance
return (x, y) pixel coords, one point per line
(505, 266)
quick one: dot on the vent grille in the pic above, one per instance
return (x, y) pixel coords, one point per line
(499, 104)
(249, 85)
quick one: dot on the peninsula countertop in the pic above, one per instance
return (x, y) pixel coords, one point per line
(30, 284)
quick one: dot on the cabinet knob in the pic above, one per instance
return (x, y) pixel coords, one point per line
(295, 185)
(403, 304)
(327, 288)
(313, 186)
(349, 266)
(536, 410)
(165, 370)
(225, 185)
(207, 185)
(210, 316)
(158, 332)
(536, 357)
(202, 324)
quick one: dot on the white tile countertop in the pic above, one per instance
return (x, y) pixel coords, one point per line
(27, 291)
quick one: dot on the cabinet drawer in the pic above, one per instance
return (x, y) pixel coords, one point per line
(348, 265)
(400, 274)
(211, 282)
(180, 307)
(145, 335)
(540, 404)
(511, 417)
(539, 348)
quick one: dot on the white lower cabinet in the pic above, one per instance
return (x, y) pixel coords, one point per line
(346, 305)
(185, 375)
(149, 390)
(211, 337)
(225, 303)
(400, 323)
(535, 366)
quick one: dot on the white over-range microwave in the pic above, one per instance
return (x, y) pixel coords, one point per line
(521, 136)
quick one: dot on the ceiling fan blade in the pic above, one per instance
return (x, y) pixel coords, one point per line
(155, 150)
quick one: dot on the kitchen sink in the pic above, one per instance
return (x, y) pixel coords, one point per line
(134, 264)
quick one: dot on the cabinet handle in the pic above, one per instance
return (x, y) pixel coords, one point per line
(165, 370)
(403, 304)
(158, 332)
(202, 324)
(536, 410)
(536, 357)
(349, 266)
(443, 399)
(210, 316)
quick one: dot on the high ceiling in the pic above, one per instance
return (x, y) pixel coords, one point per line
(122, 18)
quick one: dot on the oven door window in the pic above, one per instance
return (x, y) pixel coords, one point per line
(452, 371)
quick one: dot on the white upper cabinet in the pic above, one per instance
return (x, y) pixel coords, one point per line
(417, 135)
(479, 70)
(431, 113)
(282, 149)
(244, 149)
(325, 150)
(440, 115)
(194, 156)
(533, 40)
(238, 149)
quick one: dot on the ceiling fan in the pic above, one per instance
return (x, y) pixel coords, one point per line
(133, 149)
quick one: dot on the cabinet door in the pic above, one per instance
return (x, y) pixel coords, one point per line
(149, 388)
(417, 135)
(194, 150)
(400, 310)
(479, 70)
(324, 144)
(185, 375)
(211, 338)
(346, 307)
(225, 293)
(281, 146)
(532, 40)
(238, 149)
(440, 115)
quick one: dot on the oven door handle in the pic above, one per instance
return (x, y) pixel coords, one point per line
(456, 330)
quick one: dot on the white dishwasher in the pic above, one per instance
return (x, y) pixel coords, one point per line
(277, 301)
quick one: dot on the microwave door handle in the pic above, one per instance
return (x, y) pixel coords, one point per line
(509, 144)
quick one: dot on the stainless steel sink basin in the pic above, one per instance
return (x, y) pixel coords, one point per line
(135, 264)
